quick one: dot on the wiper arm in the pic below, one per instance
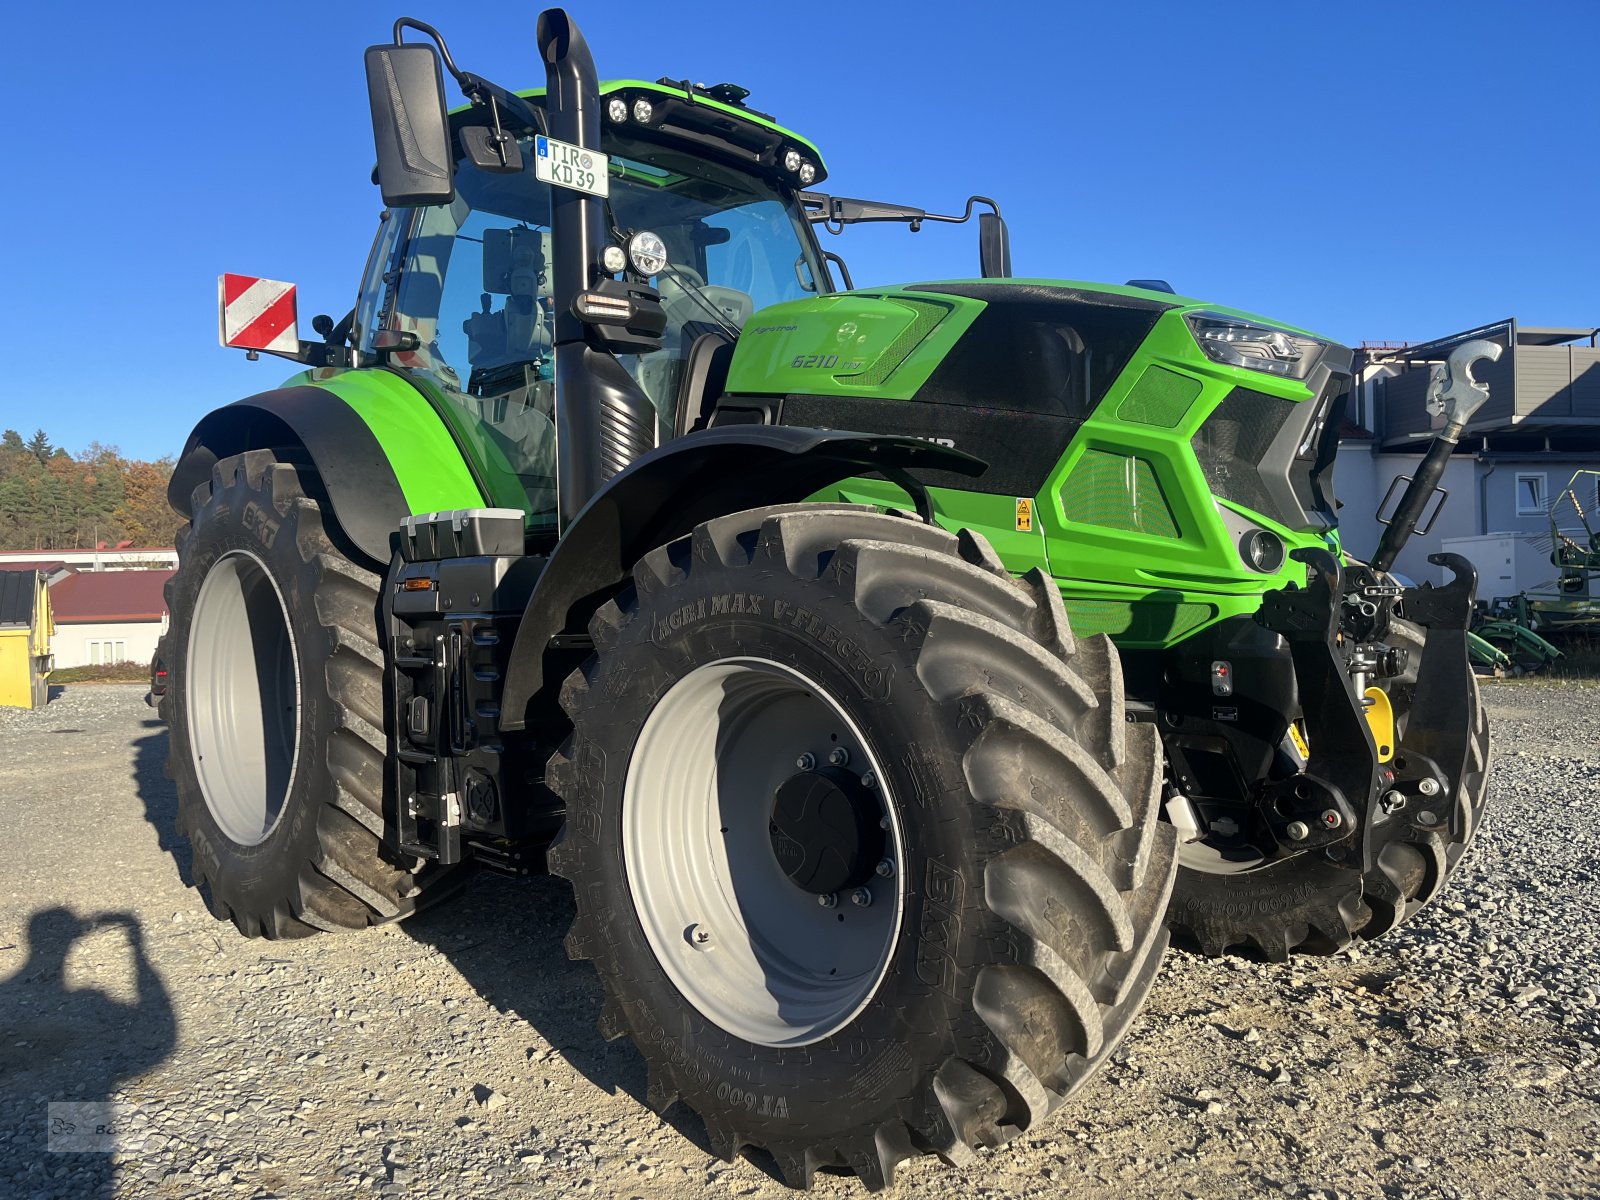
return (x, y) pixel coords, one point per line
(704, 301)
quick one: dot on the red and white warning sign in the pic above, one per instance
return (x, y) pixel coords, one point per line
(257, 314)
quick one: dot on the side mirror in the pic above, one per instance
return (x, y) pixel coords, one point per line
(994, 246)
(409, 127)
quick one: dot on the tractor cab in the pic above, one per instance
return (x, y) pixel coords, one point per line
(463, 296)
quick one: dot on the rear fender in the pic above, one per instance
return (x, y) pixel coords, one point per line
(381, 451)
(666, 493)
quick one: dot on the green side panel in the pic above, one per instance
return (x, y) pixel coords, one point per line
(1152, 621)
(993, 516)
(1160, 397)
(1117, 492)
(881, 344)
(1141, 548)
(420, 449)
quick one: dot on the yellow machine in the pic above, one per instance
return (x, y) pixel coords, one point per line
(26, 625)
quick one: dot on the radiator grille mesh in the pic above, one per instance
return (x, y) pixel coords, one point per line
(1117, 493)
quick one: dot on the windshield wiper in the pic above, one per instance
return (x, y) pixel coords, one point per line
(697, 293)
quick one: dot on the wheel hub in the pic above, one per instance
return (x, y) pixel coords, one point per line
(826, 830)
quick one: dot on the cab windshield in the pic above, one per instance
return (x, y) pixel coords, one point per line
(735, 244)
(475, 287)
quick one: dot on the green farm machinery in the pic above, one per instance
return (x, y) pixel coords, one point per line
(892, 671)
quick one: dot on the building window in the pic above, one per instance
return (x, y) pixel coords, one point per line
(105, 652)
(1530, 494)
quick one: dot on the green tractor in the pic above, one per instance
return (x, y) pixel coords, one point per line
(892, 672)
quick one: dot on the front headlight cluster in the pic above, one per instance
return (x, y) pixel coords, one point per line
(1241, 343)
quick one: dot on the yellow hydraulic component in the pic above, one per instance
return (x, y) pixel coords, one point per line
(1380, 719)
(1299, 740)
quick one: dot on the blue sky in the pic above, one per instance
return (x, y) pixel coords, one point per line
(1369, 170)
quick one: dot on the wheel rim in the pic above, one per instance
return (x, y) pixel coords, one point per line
(243, 697)
(1224, 847)
(756, 953)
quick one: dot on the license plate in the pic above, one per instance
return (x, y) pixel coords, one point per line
(565, 165)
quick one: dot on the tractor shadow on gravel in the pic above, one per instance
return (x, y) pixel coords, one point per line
(506, 939)
(160, 795)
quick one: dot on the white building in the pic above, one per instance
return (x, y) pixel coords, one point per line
(108, 616)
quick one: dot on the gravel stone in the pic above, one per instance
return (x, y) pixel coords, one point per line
(1454, 1060)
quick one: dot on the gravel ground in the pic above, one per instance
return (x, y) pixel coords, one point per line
(455, 1056)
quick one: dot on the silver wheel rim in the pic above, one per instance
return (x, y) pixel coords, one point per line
(756, 954)
(1214, 860)
(242, 695)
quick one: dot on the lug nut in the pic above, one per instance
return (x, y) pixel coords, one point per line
(1428, 787)
(885, 868)
(1392, 801)
(861, 898)
(869, 781)
(1427, 817)
(1331, 819)
(806, 762)
(828, 900)
(838, 756)
(1298, 831)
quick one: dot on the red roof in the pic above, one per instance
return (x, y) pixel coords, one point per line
(110, 596)
(48, 565)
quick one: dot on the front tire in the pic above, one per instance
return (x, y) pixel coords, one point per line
(276, 713)
(1307, 905)
(1015, 925)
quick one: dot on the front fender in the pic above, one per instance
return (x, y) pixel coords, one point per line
(669, 491)
(380, 449)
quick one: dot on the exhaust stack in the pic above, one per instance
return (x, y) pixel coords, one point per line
(603, 419)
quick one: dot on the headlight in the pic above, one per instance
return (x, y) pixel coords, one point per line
(643, 110)
(648, 253)
(808, 173)
(1241, 343)
(791, 161)
(1263, 550)
(617, 110)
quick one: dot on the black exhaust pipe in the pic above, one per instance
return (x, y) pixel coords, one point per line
(603, 420)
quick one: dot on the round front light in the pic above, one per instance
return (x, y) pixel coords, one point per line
(643, 110)
(791, 161)
(614, 258)
(648, 253)
(1263, 550)
(807, 172)
(617, 110)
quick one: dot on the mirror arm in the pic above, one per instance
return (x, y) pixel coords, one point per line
(480, 91)
(832, 214)
(424, 28)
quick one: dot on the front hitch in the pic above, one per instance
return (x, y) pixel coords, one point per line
(1351, 786)
(1324, 806)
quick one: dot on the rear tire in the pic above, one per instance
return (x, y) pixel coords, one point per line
(1308, 905)
(1019, 921)
(275, 705)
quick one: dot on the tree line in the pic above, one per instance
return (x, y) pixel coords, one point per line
(51, 499)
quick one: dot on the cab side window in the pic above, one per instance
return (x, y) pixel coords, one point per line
(475, 289)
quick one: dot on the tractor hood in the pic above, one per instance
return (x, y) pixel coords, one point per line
(892, 343)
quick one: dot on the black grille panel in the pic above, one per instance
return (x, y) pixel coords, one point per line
(1235, 440)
